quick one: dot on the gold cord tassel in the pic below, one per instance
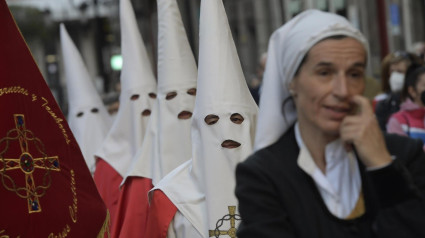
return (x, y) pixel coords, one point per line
(105, 227)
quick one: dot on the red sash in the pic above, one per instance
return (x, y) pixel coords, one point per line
(132, 209)
(108, 181)
(161, 213)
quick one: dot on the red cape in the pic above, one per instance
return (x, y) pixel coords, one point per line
(108, 182)
(46, 188)
(161, 213)
(132, 208)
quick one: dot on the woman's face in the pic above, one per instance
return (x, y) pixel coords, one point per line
(332, 73)
(415, 93)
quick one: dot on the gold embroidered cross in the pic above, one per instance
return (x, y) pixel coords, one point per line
(28, 164)
(232, 216)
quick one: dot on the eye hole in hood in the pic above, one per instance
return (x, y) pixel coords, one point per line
(134, 97)
(152, 95)
(192, 91)
(211, 119)
(170, 95)
(237, 118)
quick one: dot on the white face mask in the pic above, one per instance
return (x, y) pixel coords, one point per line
(396, 81)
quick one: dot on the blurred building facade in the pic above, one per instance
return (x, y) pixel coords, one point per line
(389, 25)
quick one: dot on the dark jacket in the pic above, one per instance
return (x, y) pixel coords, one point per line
(278, 199)
(386, 107)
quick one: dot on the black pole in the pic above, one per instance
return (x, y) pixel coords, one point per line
(99, 44)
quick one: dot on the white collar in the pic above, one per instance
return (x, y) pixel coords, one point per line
(340, 186)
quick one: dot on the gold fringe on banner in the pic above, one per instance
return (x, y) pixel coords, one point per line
(105, 227)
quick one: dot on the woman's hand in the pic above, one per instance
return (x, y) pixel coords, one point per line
(362, 131)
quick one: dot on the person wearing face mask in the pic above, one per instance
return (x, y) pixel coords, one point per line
(409, 121)
(393, 68)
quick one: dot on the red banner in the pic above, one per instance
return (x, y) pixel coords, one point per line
(46, 189)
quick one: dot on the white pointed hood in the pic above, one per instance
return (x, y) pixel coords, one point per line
(138, 91)
(222, 91)
(224, 115)
(88, 118)
(177, 74)
(287, 47)
(176, 64)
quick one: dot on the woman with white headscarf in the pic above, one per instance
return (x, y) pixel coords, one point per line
(322, 167)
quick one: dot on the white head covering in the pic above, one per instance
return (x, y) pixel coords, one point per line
(88, 118)
(177, 73)
(222, 91)
(126, 134)
(287, 47)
